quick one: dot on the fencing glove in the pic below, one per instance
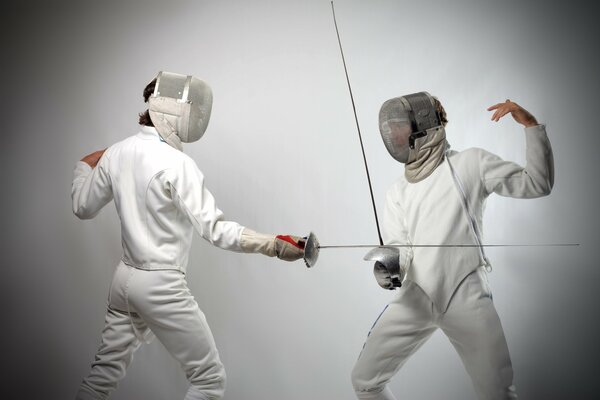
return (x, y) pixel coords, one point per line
(284, 247)
(391, 265)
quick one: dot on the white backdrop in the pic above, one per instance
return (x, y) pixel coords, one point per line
(281, 155)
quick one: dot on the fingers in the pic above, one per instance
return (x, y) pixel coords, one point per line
(502, 109)
(501, 112)
(495, 106)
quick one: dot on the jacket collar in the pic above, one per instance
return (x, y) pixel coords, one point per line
(149, 133)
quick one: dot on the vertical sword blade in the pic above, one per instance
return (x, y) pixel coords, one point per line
(357, 125)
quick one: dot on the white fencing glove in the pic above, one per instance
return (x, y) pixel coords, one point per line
(384, 277)
(289, 248)
(284, 247)
(391, 265)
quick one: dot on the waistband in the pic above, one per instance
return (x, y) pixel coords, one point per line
(154, 266)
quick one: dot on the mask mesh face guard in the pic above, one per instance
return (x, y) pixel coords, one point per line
(396, 134)
(403, 120)
(180, 108)
(395, 128)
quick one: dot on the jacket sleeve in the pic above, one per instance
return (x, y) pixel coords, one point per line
(191, 196)
(393, 227)
(512, 180)
(395, 230)
(91, 189)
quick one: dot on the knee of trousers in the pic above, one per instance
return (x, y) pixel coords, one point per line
(365, 380)
(211, 382)
(87, 393)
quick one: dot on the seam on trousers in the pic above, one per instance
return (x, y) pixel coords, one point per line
(370, 330)
(375, 323)
(392, 359)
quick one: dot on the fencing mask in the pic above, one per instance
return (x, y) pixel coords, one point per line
(180, 108)
(412, 129)
(407, 123)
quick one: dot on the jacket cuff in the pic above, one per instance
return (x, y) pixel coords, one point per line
(539, 128)
(254, 242)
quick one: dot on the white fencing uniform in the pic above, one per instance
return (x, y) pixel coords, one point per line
(447, 287)
(160, 197)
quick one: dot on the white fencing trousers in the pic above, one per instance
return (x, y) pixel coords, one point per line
(470, 322)
(161, 302)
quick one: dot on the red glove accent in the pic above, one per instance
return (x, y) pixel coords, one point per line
(299, 244)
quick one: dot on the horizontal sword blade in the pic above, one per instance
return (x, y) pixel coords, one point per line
(354, 246)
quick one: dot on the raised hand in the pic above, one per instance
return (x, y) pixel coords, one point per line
(519, 114)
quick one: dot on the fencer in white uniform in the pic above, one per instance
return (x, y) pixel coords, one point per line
(440, 200)
(161, 198)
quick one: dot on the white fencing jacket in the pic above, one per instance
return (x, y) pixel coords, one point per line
(431, 211)
(160, 197)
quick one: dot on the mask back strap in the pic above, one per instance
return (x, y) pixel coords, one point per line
(186, 90)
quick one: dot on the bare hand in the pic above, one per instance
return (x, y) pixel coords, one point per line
(93, 158)
(520, 114)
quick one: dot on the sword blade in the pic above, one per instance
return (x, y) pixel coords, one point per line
(362, 147)
(354, 246)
